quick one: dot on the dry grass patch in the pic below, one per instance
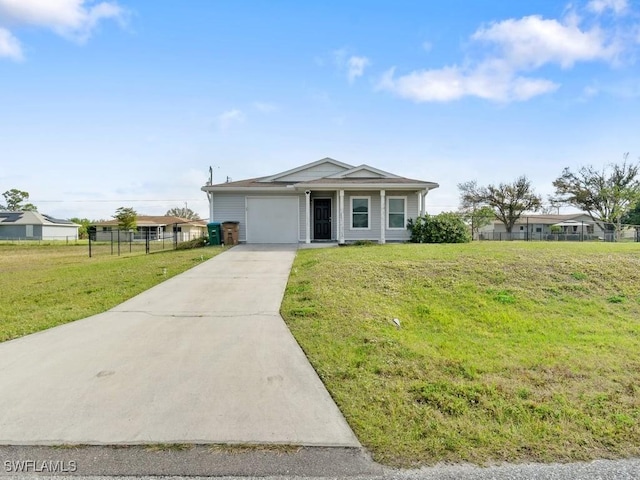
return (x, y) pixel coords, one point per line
(506, 351)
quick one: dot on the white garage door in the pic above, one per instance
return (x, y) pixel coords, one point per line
(272, 220)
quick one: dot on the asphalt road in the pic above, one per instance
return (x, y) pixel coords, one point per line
(206, 461)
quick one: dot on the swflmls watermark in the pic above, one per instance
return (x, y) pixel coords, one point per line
(40, 466)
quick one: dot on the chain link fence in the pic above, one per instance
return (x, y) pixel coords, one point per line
(629, 233)
(121, 242)
(65, 239)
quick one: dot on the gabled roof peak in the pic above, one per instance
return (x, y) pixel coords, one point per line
(326, 160)
(362, 170)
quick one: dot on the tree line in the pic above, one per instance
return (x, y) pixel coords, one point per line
(611, 197)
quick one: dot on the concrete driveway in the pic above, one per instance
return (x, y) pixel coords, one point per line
(202, 358)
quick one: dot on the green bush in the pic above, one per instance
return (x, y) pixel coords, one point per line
(195, 243)
(446, 227)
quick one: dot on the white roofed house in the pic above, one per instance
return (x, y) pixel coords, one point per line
(35, 226)
(152, 228)
(574, 226)
(322, 201)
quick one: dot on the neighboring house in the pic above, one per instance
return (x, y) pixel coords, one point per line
(153, 227)
(545, 227)
(35, 226)
(325, 200)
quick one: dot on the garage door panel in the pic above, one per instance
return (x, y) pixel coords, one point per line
(272, 220)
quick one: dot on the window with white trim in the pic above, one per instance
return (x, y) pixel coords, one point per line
(396, 213)
(360, 213)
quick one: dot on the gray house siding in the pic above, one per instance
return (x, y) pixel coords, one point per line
(411, 210)
(232, 207)
(13, 231)
(312, 173)
(302, 214)
(37, 232)
(373, 233)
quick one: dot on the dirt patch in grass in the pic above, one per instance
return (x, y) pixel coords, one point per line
(505, 351)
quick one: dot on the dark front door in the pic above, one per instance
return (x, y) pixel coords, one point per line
(322, 219)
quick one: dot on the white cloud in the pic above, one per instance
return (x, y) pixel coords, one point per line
(9, 45)
(531, 42)
(355, 67)
(599, 6)
(453, 83)
(230, 117)
(516, 47)
(73, 19)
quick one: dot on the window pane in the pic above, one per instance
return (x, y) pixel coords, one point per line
(396, 220)
(396, 205)
(360, 205)
(360, 220)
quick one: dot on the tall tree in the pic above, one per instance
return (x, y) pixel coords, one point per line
(606, 196)
(632, 217)
(508, 201)
(479, 218)
(183, 212)
(14, 199)
(126, 217)
(474, 213)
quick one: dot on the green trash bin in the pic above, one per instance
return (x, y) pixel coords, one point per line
(215, 233)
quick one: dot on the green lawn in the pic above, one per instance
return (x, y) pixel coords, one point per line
(50, 284)
(507, 351)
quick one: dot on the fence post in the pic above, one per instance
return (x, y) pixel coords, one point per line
(118, 242)
(111, 242)
(175, 236)
(147, 242)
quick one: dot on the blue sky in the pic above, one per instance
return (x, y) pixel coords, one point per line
(128, 103)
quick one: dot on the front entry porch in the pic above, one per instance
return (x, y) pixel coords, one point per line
(374, 215)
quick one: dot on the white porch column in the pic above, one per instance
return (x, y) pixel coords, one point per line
(341, 216)
(307, 195)
(383, 216)
(420, 202)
